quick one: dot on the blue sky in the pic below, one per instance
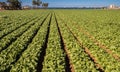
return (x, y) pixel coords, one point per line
(75, 3)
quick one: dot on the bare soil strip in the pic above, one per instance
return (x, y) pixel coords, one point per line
(86, 50)
(44, 47)
(15, 38)
(15, 29)
(96, 42)
(69, 66)
(27, 44)
(100, 68)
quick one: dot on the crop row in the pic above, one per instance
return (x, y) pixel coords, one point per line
(54, 58)
(7, 40)
(103, 58)
(13, 28)
(80, 60)
(103, 25)
(14, 18)
(59, 41)
(10, 55)
(30, 57)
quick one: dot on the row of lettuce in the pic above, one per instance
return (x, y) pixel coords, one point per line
(32, 46)
(80, 60)
(75, 23)
(103, 25)
(55, 57)
(18, 22)
(47, 40)
(9, 35)
(11, 51)
(11, 18)
(29, 58)
(34, 43)
(36, 46)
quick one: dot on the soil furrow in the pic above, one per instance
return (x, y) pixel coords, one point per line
(15, 29)
(97, 65)
(27, 44)
(15, 38)
(12, 40)
(96, 42)
(43, 49)
(69, 66)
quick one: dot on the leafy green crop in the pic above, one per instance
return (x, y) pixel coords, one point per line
(60, 41)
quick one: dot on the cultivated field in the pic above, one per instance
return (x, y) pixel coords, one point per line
(60, 41)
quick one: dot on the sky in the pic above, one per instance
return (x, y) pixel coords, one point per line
(75, 3)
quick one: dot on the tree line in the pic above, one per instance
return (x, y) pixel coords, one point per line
(17, 4)
(37, 3)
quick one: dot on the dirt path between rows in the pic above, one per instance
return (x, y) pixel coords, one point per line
(87, 51)
(96, 42)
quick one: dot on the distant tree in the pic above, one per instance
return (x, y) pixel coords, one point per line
(36, 3)
(15, 4)
(33, 3)
(45, 5)
(39, 2)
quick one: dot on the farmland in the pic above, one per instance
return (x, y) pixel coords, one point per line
(60, 41)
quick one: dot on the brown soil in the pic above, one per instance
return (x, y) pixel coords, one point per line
(100, 44)
(87, 51)
(71, 65)
(116, 56)
(65, 49)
